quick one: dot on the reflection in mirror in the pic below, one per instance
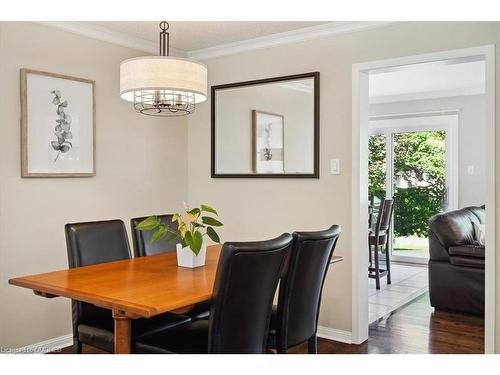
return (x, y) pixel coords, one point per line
(265, 128)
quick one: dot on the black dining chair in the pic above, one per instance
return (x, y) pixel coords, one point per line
(377, 238)
(246, 279)
(144, 247)
(295, 318)
(100, 242)
(142, 239)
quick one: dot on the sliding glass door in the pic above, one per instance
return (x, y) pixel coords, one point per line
(412, 160)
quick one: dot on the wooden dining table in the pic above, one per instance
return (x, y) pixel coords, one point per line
(132, 288)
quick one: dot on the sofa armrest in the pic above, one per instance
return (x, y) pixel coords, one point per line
(437, 251)
(474, 251)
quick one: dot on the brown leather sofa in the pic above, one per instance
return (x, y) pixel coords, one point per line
(456, 264)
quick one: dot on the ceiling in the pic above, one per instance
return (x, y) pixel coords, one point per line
(429, 80)
(193, 35)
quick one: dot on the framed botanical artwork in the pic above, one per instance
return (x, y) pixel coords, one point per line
(268, 142)
(57, 125)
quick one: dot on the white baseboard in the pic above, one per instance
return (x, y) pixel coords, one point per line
(335, 334)
(46, 346)
(60, 342)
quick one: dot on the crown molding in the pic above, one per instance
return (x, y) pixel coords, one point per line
(106, 35)
(300, 35)
(320, 31)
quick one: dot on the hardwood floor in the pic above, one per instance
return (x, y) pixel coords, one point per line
(414, 328)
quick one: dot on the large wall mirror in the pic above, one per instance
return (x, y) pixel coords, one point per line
(266, 128)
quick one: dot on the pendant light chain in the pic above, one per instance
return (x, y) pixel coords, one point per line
(164, 39)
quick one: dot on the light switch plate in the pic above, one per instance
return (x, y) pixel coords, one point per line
(334, 166)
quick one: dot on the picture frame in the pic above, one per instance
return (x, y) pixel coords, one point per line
(57, 125)
(268, 138)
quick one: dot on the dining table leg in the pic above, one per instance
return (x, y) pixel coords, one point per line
(122, 333)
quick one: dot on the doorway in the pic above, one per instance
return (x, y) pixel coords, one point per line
(360, 136)
(413, 158)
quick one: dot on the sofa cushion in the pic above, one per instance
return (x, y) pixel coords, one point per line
(467, 261)
(467, 250)
(480, 233)
(480, 213)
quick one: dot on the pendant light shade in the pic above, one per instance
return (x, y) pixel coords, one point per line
(163, 85)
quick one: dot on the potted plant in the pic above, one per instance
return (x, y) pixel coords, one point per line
(191, 230)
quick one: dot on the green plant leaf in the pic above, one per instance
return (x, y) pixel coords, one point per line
(188, 239)
(197, 242)
(171, 237)
(194, 212)
(207, 208)
(213, 234)
(211, 221)
(159, 233)
(150, 223)
(197, 225)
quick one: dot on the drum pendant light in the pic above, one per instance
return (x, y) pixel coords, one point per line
(163, 85)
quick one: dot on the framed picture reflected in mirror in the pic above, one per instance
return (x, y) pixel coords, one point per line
(268, 141)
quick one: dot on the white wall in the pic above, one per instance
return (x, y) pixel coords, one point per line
(471, 136)
(258, 208)
(141, 169)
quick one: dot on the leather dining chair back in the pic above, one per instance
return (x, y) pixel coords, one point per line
(142, 239)
(96, 242)
(246, 280)
(300, 288)
(92, 243)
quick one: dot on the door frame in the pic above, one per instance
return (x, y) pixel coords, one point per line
(447, 121)
(359, 202)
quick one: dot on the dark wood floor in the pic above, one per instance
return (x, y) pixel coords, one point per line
(414, 328)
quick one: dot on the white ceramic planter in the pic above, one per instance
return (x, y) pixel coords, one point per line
(186, 257)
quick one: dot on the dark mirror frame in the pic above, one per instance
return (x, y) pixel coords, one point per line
(213, 91)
